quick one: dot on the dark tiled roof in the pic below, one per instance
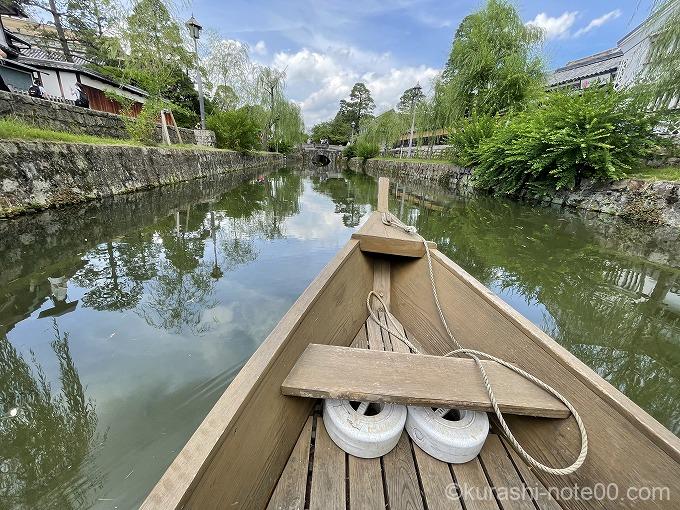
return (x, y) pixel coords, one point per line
(52, 60)
(594, 65)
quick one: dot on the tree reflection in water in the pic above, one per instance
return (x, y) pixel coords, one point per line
(46, 450)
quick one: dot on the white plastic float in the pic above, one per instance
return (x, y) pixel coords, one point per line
(363, 429)
(448, 435)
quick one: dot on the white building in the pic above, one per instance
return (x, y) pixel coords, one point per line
(623, 65)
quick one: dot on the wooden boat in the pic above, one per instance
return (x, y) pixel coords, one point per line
(259, 448)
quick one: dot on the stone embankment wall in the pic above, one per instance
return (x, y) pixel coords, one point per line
(652, 202)
(74, 119)
(39, 175)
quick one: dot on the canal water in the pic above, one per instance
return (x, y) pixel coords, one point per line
(122, 321)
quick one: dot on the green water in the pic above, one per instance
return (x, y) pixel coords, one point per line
(122, 321)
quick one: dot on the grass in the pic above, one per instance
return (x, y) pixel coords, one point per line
(414, 160)
(668, 173)
(17, 130)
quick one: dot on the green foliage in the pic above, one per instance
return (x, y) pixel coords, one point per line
(142, 127)
(493, 64)
(410, 98)
(359, 105)
(349, 151)
(597, 134)
(385, 129)
(17, 129)
(367, 150)
(235, 129)
(335, 131)
(157, 52)
(466, 135)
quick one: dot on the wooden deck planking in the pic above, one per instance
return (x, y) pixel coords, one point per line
(365, 483)
(474, 486)
(401, 477)
(328, 476)
(437, 482)
(289, 493)
(511, 493)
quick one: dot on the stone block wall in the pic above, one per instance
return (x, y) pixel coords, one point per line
(655, 203)
(74, 119)
(39, 175)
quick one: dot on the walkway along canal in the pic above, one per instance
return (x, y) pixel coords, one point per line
(123, 320)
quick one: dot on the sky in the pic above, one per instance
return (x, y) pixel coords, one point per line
(325, 47)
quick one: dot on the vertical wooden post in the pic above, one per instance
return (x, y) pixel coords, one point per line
(383, 193)
(164, 129)
(174, 123)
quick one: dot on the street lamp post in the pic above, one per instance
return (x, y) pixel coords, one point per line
(195, 32)
(413, 118)
(353, 124)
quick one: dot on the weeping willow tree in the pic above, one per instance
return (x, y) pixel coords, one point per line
(494, 64)
(662, 74)
(385, 129)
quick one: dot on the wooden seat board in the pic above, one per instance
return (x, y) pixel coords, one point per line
(359, 374)
(376, 237)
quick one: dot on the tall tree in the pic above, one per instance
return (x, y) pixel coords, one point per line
(359, 105)
(157, 50)
(410, 98)
(494, 62)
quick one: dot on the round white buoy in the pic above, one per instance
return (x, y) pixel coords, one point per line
(448, 435)
(363, 429)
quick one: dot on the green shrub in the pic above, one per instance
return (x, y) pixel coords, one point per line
(142, 128)
(598, 133)
(349, 151)
(465, 137)
(235, 129)
(367, 150)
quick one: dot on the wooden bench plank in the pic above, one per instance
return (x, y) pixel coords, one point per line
(510, 490)
(401, 478)
(413, 379)
(376, 237)
(328, 477)
(474, 487)
(438, 488)
(289, 493)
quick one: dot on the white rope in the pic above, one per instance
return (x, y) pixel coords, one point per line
(389, 219)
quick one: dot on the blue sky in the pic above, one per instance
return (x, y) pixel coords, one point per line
(390, 45)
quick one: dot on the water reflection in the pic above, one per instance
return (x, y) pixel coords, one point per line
(165, 294)
(48, 442)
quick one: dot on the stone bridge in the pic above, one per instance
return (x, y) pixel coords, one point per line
(322, 156)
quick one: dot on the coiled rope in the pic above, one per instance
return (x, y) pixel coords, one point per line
(390, 220)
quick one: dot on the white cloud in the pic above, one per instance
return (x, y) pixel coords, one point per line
(260, 48)
(598, 22)
(318, 80)
(554, 27)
